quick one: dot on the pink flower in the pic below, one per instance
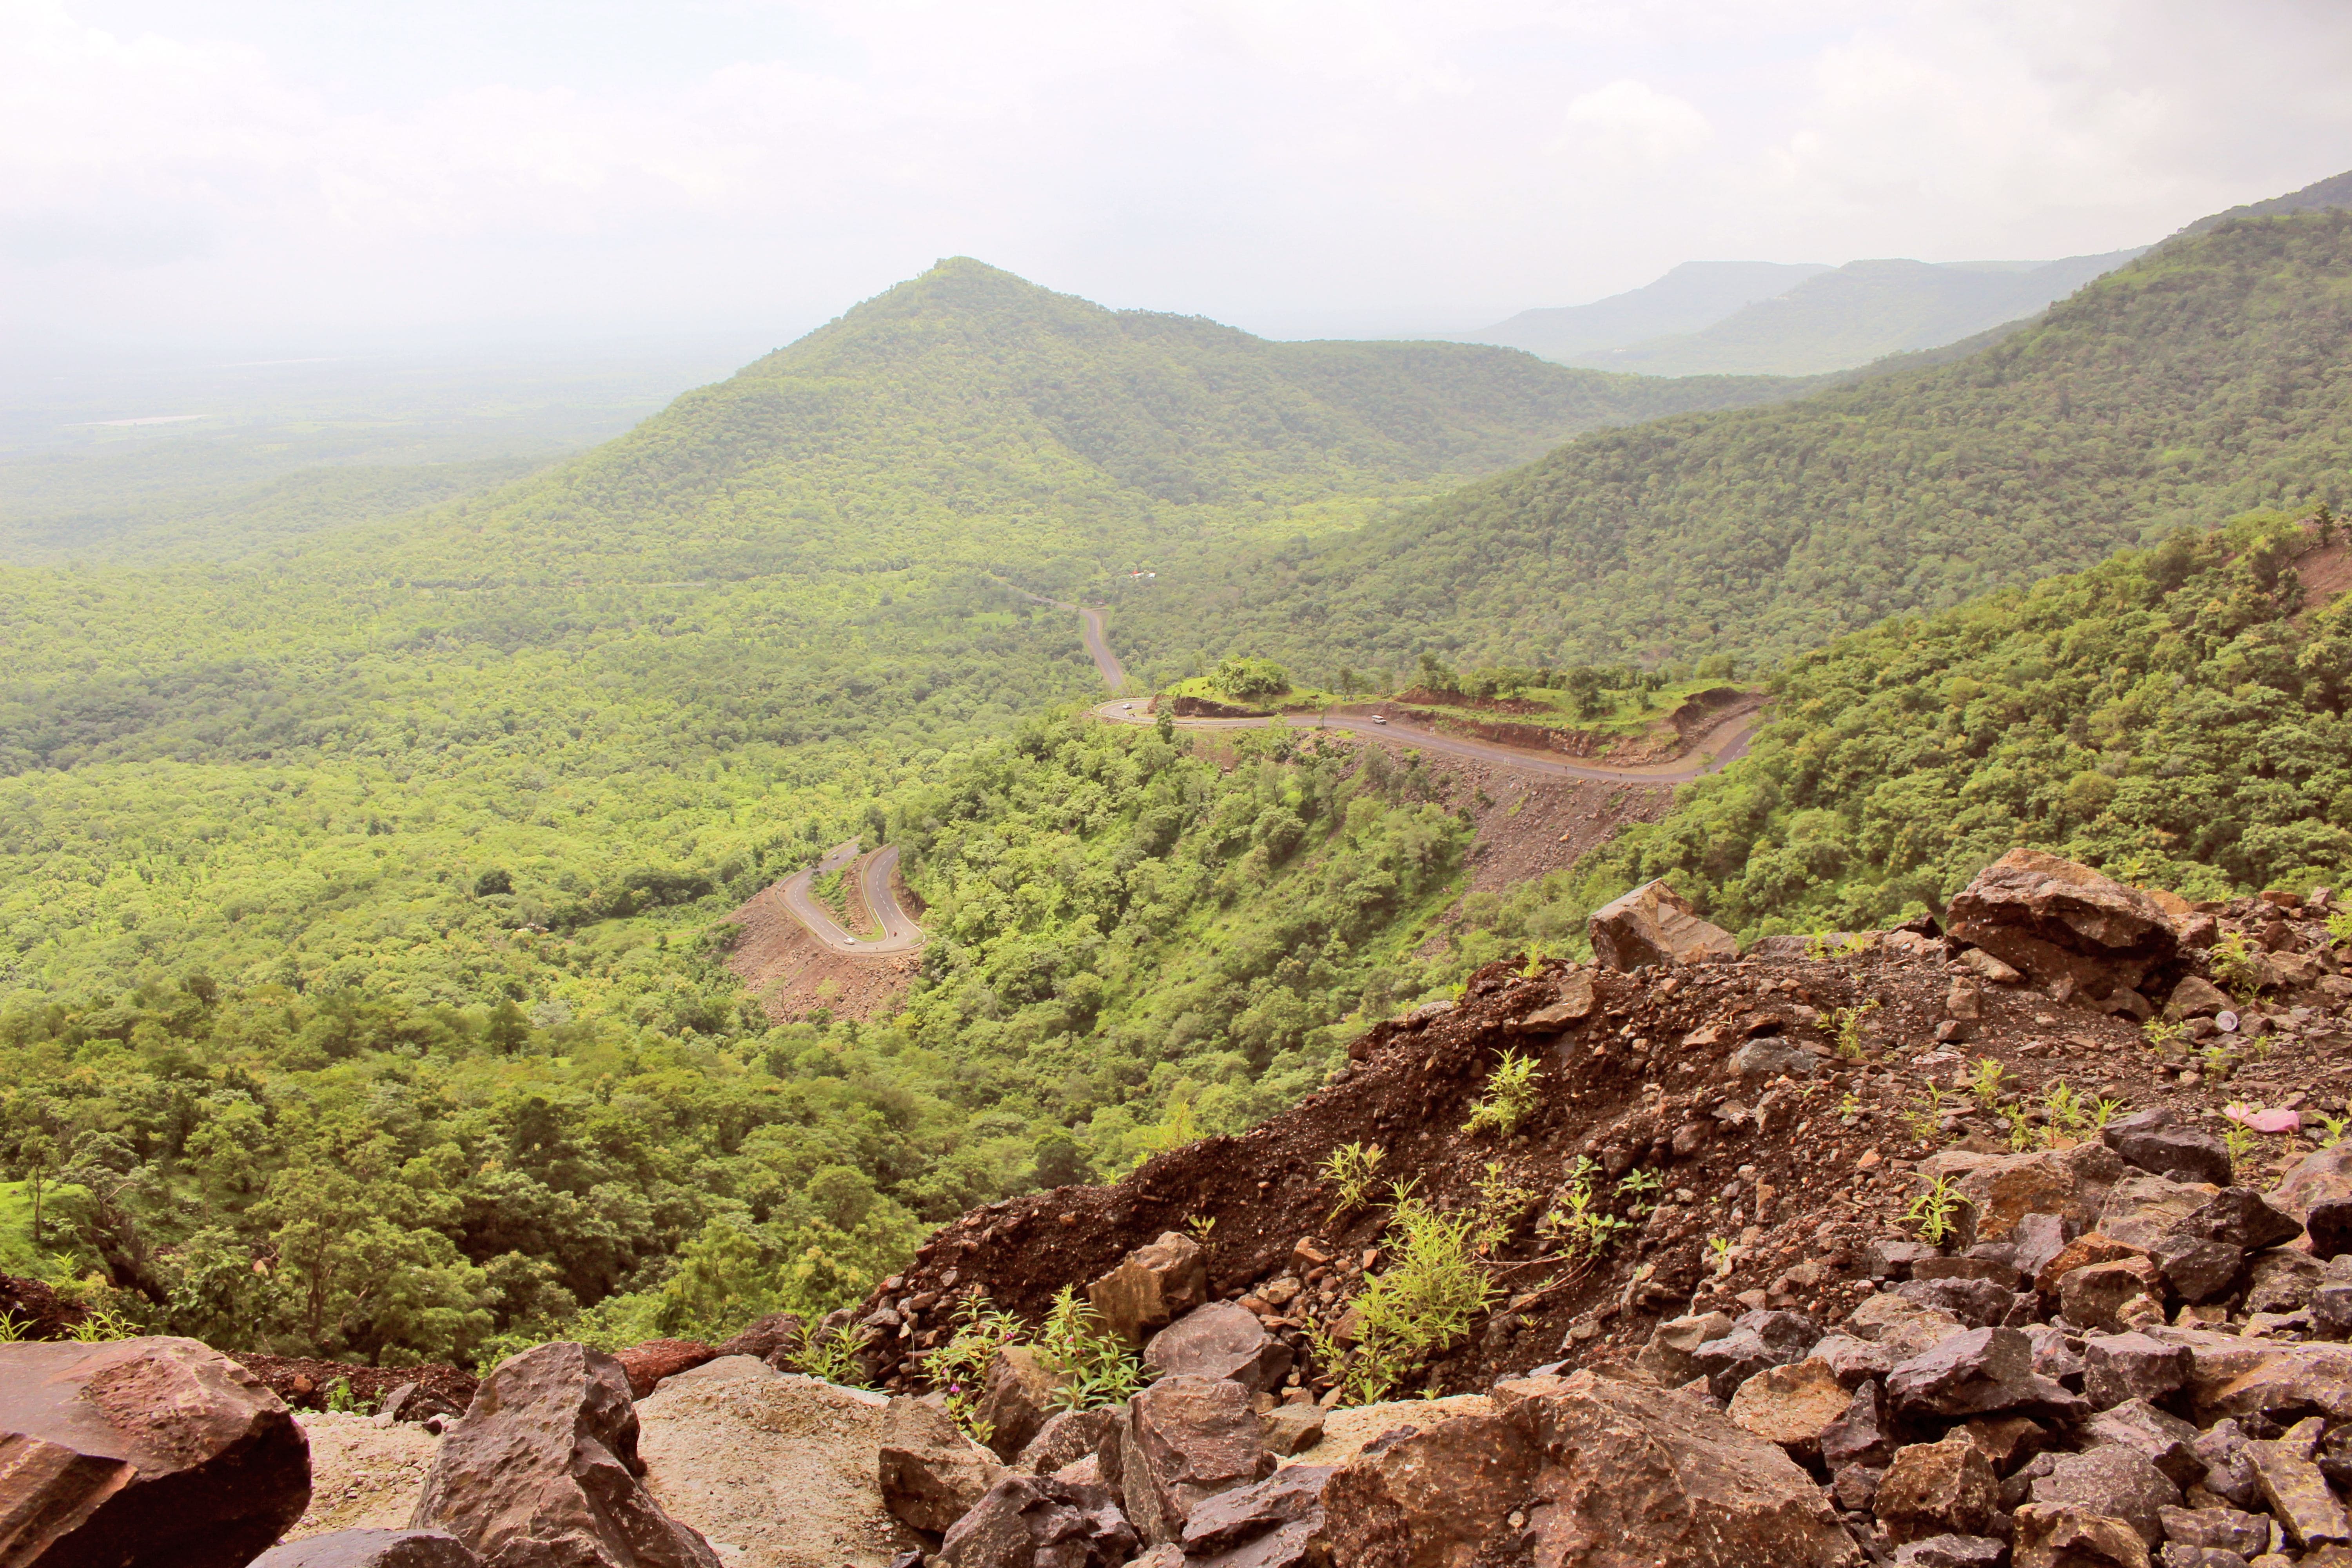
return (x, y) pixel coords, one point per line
(2263, 1120)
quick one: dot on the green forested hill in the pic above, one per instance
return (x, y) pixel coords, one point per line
(2210, 376)
(2181, 716)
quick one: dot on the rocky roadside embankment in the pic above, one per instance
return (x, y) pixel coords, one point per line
(1909, 1246)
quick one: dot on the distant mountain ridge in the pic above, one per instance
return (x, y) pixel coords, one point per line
(2320, 195)
(1761, 318)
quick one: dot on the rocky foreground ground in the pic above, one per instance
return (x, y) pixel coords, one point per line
(2024, 1241)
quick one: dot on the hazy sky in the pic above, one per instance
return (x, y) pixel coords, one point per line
(289, 171)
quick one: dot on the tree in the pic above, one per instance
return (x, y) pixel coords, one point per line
(36, 1158)
(1165, 726)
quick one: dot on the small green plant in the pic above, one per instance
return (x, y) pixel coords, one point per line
(1201, 1225)
(1847, 1024)
(2339, 927)
(1511, 1095)
(1501, 1202)
(1458, 990)
(1421, 1306)
(958, 1369)
(2238, 967)
(1535, 955)
(2024, 1136)
(1583, 1224)
(2218, 1060)
(1854, 945)
(1851, 1106)
(2240, 1139)
(1985, 1082)
(340, 1399)
(2332, 1129)
(1931, 1213)
(99, 1325)
(833, 1359)
(1719, 1254)
(1350, 1168)
(1096, 1365)
(1926, 1118)
(13, 1329)
(1817, 947)
(2163, 1034)
(1639, 1185)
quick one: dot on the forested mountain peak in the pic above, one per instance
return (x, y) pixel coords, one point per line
(2321, 196)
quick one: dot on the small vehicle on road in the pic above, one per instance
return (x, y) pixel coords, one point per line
(1377, 719)
(1127, 707)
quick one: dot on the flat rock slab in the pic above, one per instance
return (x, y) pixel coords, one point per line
(362, 1475)
(777, 1470)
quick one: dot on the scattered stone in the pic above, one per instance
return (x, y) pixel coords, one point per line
(2281, 1280)
(2229, 1464)
(2216, 1529)
(1896, 1260)
(1790, 1405)
(1220, 1340)
(775, 1332)
(2158, 1435)
(1016, 1398)
(143, 1450)
(2330, 1225)
(2331, 1312)
(1952, 1552)
(2003, 1189)
(1989, 1261)
(1974, 1373)
(1151, 1288)
(1574, 1004)
(2112, 1481)
(1901, 1328)
(2117, 1367)
(372, 1549)
(2196, 997)
(2114, 1298)
(1654, 924)
(2034, 1240)
(1067, 1436)
(1977, 1303)
(2008, 1441)
(1287, 1505)
(1183, 1439)
(2245, 1219)
(1863, 1433)
(2140, 1208)
(2296, 1492)
(1027, 1521)
(544, 1468)
(1290, 1429)
(931, 1474)
(649, 1362)
(2058, 1536)
(2080, 1253)
(1668, 1360)
(1938, 1489)
(1851, 1361)
(2322, 1176)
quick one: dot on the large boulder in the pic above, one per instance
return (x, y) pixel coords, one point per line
(1436, 1495)
(2066, 926)
(2056, 1535)
(647, 1363)
(1182, 1440)
(2113, 1480)
(1272, 1524)
(2165, 1143)
(144, 1450)
(372, 1549)
(543, 1469)
(1016, 1398)
(1636, 1475)
(1938, 1489)
(1151, 1288)
(1654, 924)
(1067, 1436)
(1033, 1521)
(1976, 1373)
(930, 1474)
(1791, 1406)
(1222, 1339)
(2001, 1189)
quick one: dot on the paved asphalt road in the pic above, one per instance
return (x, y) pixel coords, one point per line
(899, 932)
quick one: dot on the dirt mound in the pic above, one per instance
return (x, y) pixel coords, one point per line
(1782, 1103)
(1202, 707)
(38, 1312)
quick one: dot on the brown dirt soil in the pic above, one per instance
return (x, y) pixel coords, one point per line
(362, 1475)
(1202, 707)
(303, 1384)
(2326, 572)
(1797, 1175)
(793, 975)
(40, 1312)
(1531, 827)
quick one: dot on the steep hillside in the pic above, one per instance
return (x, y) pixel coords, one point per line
(2331, 193)
(1694, 296)
(1862, 311)
(2206, 378)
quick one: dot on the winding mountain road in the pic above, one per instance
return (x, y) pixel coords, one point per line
(899, 932)
(1721, 746)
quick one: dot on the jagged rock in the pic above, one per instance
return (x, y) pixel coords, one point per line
(931, 1474)
(1654, 924)
(2196, 997)
(1855, 1487)
(1890, 1259)
(2230, 1472)
(2056, 1356)
(1016, 1398)
(1952, 1552)
(1938, 1489)
(372, 1549)
(1976, 1303)
(2117, 1367)
(2114, 1298)
(1151, 1288)
(1067, 1436)
(2003, 1189)
(1758, 1340)
(1029, 1521)
(2232, 1377)
(2054, 1535)
(1790, 1405)
(1220, 1340)
(2172, 1555)
(1273, 1523)
(767, 1336)
(1974, 1373)
(1291, 1428)
(2161, 1141)
(2115, 1481)
(544, 1468)
(2158, 1435)
(2140, 1208)
(1632, 1474)
(1863, 1433)
(1668, 1359)
(2081, 1253)
(2281, 1280)
(1988, 1262)
(1851, 1361)
(2331, 1312)
(2034, 1240)
(2245, 1219)
(2330, 1224)
(143, 1450)
(1572, 1004)
(647, 1363)
(2216, 1529)
(2065, 926)
(2323, 1176)
(1183, 1439)
(1435, 1495)
(414, 1401)
(1901, 1329)
(2296, 1492)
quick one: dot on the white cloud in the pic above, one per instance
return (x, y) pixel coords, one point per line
(276, 167)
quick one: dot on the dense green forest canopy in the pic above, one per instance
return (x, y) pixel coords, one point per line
(2212, 376)
(2180, 717)
(1135, 943)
